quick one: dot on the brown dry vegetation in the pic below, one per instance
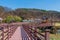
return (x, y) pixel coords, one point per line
(29, 13)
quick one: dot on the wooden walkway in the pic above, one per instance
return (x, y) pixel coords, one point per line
(17, 34)
(20, 33)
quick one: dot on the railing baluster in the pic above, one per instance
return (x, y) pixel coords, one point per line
(7, 30)
(2, 33)
(32, 33)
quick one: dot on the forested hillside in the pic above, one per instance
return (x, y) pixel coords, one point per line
(29, 13)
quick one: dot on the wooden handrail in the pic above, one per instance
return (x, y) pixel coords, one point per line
(7, 30)
(33, 32)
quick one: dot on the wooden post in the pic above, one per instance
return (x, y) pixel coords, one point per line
(8, 31)
(47, 32)
(35, 33)
(2, 33)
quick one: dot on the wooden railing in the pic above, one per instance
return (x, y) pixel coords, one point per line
(33, 34)
(7, 30)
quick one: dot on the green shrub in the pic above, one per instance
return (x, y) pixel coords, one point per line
(11, 18)
(17, 19)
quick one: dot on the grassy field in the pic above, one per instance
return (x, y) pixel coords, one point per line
(54, 36)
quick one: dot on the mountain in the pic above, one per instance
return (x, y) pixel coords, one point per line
(37, 13)
(4, 11)
(28, 13)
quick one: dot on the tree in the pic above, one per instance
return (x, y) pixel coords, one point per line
(11, 18)
(17, 19)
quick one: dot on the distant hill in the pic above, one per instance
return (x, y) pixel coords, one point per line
(29, 13)
(4, 11)
(37, 13)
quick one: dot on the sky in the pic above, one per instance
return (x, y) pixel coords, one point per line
(39, 4)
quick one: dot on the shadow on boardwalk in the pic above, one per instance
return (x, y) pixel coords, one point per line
(24, 34)
(17, 34)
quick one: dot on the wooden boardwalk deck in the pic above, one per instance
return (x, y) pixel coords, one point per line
(17, 34)
(20, 34)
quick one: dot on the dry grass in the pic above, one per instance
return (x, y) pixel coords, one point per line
(54, 36)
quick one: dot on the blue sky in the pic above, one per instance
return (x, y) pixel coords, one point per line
(40, 4)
